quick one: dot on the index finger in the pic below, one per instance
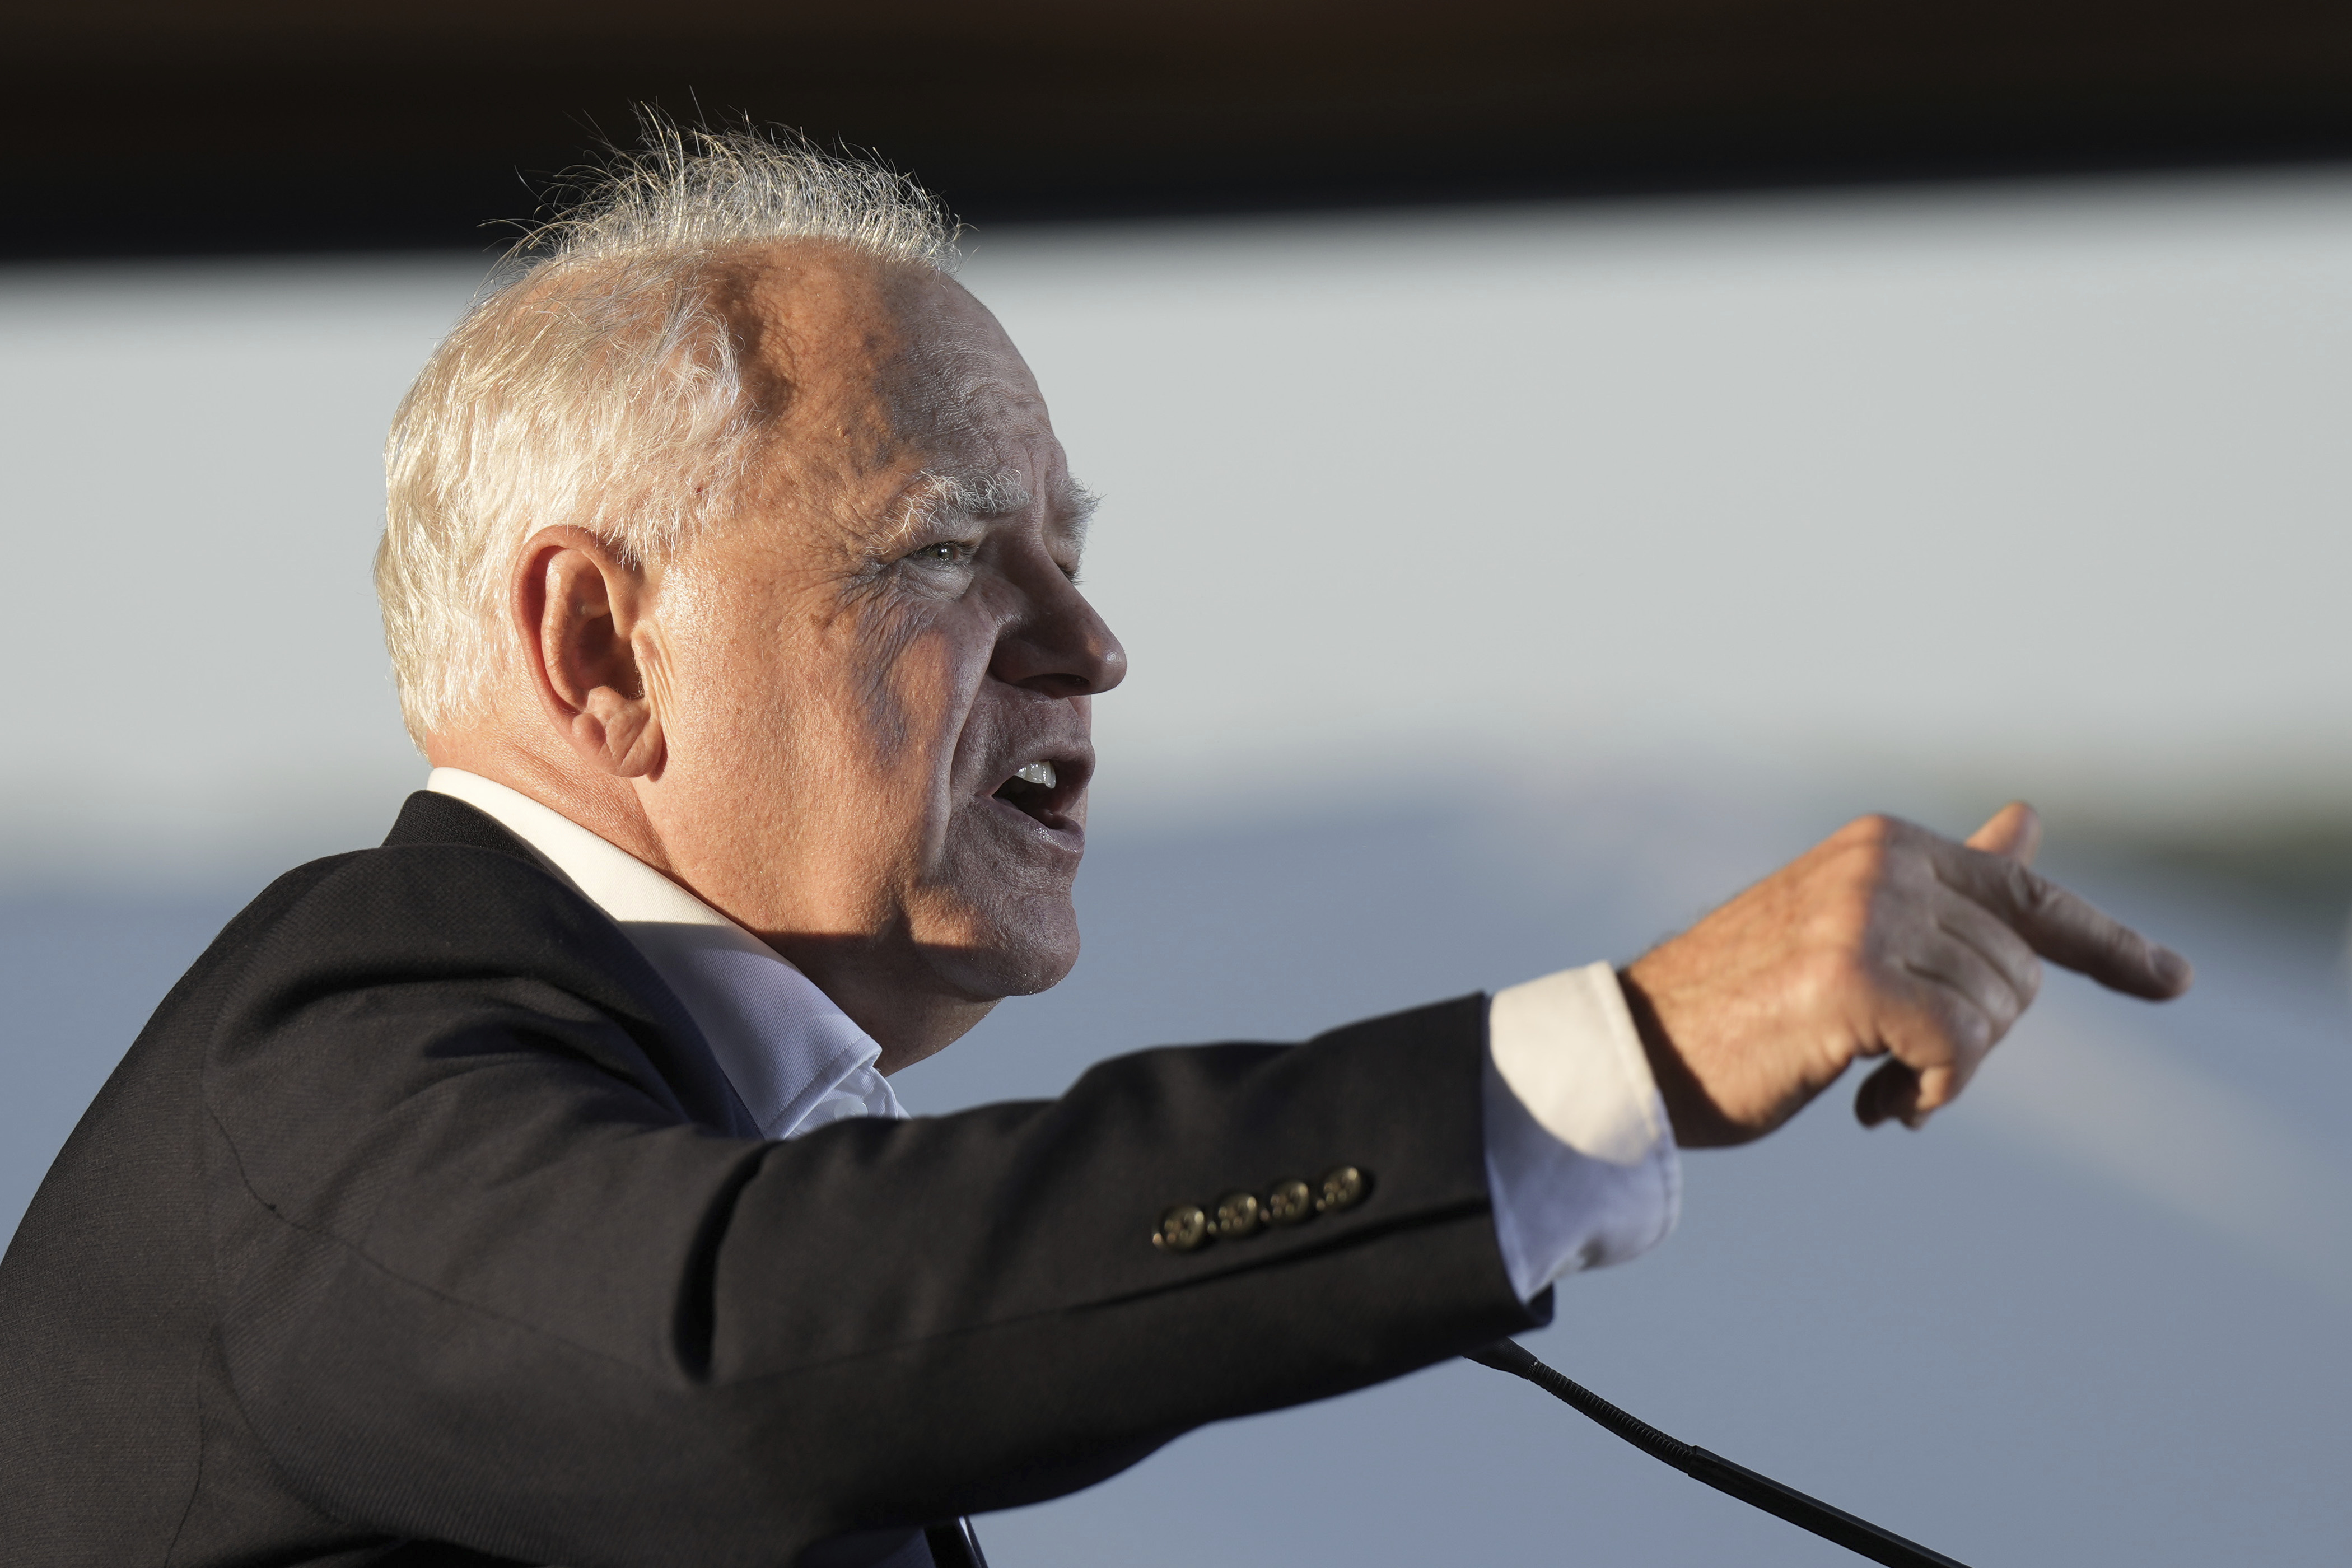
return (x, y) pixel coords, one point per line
(2062, 926)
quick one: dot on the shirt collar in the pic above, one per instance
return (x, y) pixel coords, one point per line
(795, 1060)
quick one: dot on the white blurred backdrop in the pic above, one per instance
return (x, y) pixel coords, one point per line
(1503, 587)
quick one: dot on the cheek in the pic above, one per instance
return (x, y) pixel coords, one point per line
(843, 726)
(893, 679)
(914, 678)
(740, 704)
(751, 727)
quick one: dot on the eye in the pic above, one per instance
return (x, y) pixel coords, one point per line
(948, 553)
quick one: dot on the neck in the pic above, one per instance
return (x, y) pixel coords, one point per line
(883, 981)
(606, 807)
(910, 1014)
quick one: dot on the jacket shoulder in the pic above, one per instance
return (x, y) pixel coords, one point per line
(428, 817)
(451, 904)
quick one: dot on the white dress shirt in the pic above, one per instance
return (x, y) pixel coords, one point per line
(1579, 1160)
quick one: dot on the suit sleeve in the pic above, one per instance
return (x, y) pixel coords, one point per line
(483, 1281)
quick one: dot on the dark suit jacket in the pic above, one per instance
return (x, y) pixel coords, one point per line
(421, 1227)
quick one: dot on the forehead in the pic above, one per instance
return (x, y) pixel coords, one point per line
(893, 400)
(882, 349)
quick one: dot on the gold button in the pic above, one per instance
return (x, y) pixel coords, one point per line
(1290, 1203)
(1182, 1228)
(1343, 1188)
(1237, 1216)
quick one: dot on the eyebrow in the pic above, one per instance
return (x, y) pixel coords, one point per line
(935, 495)
(1074, 508)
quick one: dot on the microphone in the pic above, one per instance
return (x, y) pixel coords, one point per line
(1858, 1535)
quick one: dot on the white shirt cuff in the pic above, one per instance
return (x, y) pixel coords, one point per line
(1580, 1160)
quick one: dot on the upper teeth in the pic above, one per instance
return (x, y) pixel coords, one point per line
(1038, 773)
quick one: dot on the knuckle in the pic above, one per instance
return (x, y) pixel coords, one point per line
(1874, 833)
(2029, 982)
(1966, 1028)
(1865, 872)
(2026, 892)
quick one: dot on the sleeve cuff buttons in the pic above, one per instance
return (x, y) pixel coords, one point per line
(1188, 1227)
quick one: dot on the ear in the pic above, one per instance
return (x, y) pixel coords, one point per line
(580, 611)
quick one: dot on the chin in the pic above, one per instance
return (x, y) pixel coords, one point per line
(1020, 956)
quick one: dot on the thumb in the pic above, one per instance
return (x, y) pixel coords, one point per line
(2014, 831)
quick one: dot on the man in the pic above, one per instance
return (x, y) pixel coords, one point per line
(531, 1189)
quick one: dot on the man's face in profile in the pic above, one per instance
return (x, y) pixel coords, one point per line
(879, 673)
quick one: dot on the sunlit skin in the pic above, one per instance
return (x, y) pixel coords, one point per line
(805, 716)
(802, 716)
(1884, 941)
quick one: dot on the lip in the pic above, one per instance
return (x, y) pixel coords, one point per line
(1049, 813)
(1059, 834)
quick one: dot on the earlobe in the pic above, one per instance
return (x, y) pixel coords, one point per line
(629, 742)
(619, 734)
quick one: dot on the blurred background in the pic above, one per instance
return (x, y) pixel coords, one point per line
(1560, 462)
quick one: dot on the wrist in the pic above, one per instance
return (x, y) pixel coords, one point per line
(1699, 1121)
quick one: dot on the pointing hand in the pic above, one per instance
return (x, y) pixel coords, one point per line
(1885, 939)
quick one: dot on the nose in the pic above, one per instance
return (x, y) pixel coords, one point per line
(1057, 644)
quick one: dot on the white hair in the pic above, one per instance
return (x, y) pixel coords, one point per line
(600, 383)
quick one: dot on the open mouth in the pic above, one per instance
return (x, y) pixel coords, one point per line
(1045, 791)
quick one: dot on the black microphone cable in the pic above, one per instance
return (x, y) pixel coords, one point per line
(1760, 1491)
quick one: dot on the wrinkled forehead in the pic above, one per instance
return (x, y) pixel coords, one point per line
(899, 358)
